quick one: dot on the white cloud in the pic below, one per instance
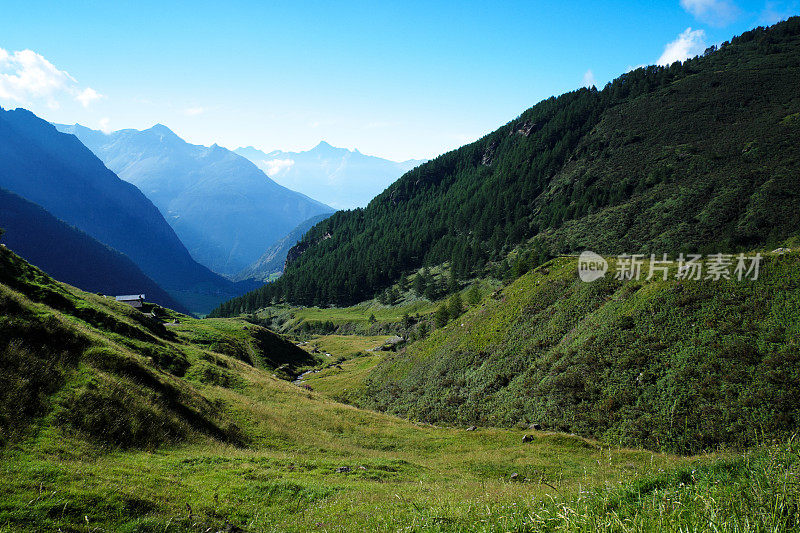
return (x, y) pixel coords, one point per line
(714, 12)
(688, 44)
(588, 79)
(194, 111)
(103, 125)
(87, 96)
(275, 167)
(26, 77)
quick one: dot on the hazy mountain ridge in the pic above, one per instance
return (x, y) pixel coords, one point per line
(57, 172)
(339, 177)
(224, 209)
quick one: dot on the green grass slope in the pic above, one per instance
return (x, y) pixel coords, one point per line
(112, 373)
(677, 365)
(111, 421)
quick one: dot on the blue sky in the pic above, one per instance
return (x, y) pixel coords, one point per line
(395, 79)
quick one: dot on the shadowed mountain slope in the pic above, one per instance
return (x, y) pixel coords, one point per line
(71, 255)
(274, 259)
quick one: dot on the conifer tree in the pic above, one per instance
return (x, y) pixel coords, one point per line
(442, 316)
(420, 284)
(455, 306)
(474, 295)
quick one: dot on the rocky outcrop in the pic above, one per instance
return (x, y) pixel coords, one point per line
(295, 252)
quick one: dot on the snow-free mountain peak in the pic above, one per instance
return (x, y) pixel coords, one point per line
(340, 177)
(323, 145)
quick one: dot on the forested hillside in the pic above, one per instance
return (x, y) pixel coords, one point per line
(700, 155)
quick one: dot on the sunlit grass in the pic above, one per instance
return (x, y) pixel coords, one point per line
(297, 460)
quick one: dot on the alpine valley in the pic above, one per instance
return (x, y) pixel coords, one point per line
(586, 320)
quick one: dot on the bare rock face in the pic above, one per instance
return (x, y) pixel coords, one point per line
(488, 154)
(527, 127)
(298, 249)
(295, 252)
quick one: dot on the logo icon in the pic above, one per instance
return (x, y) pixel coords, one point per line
(591, 266)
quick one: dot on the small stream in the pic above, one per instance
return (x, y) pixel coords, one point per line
(303, 375)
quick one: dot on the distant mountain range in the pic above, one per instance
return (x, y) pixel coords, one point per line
(341, 178)
(58, 173)
(273, 260)
(71, 255)
(225, 210)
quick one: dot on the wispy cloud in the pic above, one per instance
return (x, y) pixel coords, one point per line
(194, 111)
(713, 12)
(27, 77)
(774, 12)
(688, 44)
(103, 124)
(588, 79)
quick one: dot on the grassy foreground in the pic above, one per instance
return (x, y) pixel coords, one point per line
(114, 421)
(402, 478)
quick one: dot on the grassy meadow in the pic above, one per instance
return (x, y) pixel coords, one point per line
(113, 421)
(402, 477)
